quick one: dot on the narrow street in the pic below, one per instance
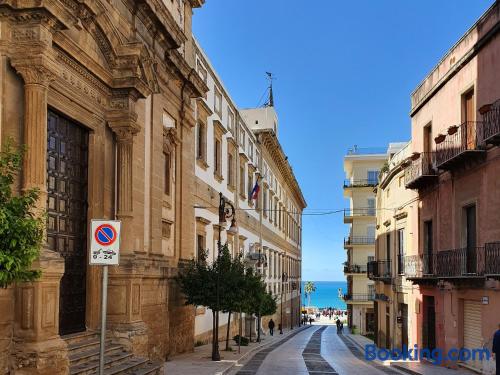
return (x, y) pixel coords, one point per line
(315, 350)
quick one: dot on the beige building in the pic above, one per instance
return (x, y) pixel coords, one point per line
(395, 297)
(102, 94)
(235, 147)
(362, 168)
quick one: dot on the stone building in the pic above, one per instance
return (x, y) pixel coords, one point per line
(234, 148)
(362, 166)
(102, 94)
(395, 296)
(455, 117)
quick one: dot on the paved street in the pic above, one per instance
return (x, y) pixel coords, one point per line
(320, 350)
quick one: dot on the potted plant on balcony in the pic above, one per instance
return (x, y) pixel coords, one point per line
(440, 138)
(452, 129)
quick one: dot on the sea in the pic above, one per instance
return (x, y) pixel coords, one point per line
(326, 294)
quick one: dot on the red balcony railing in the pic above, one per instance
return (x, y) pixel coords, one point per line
(463, 144)
(491, 122)
(421, 171)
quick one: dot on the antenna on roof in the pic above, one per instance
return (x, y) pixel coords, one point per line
(270, 102)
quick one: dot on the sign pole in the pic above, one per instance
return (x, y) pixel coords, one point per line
(104, 304)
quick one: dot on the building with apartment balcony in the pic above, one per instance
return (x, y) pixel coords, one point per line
(394, 295)
(235, 148)
(454, 168)
(362, 167)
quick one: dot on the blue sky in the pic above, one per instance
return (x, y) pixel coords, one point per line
(345, 71)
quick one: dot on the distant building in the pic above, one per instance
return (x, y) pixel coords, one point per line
(395, 319)
(362, 167)
(235, 148)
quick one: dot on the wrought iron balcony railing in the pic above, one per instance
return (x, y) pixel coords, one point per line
(355, 268)
(379, 270)
(360, 183)
(421, 171)
(464, 143)
(359, 240)
(491, 122)
(455, 263)
(356, 297)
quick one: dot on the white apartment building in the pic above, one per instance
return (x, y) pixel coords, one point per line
(362, 167)
(234, 148)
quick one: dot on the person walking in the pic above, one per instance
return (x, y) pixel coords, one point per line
(271, 327)
(338, 325)
(496, 349)
(310, 320)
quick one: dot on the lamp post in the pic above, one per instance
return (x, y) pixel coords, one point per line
(226, 212)
(284, 277)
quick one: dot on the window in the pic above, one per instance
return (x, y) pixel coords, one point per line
(242, 180)
(469, 229)
(166, 229)
(250, 184)
(388, 246)
(250, 150)
(372, 177)
(202, 72)
(371, 207)
(428, 247)
(200, 246)
(230, 170)
(230, 120)
(167, 181)
(242, 136)
(401, 251)
(201, 142)
(264, 201)
(218, 102)
(217, 158)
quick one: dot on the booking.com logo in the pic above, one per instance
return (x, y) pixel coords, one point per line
(436, 355)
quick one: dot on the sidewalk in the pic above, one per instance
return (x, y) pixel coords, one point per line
(199, 362)
(409, 367)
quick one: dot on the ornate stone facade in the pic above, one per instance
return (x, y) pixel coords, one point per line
(116, 70)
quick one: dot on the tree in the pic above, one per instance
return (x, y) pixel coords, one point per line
(21, 228)
(309, 288)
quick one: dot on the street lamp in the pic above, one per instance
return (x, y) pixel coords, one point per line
(226, 212)
(284, 278)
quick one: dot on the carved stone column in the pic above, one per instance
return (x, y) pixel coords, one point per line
(38, 346)
(125, 284)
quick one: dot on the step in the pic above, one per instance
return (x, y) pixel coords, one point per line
(110, 361)
(151, 368)
(86, 345)
(84, 356)
(127, 367)
(74, 338)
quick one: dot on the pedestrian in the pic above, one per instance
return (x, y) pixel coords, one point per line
(341, 327)
(280, 329)
(496, 349)
(271, 327)
(310, 320)
(338, 325)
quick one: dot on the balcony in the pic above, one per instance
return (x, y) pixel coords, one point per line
(491, 123)
(421, 172)
(461, 146)
(358, 240)
(355, 297)
(460, 264)
(380, 270)
(349, 215)
(355, 268)
(360, 183)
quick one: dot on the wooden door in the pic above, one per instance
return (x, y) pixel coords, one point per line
(470, 118)
(67, 148)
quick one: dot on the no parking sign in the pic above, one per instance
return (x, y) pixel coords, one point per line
(104, 242)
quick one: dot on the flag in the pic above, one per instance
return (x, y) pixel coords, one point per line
(255, 191)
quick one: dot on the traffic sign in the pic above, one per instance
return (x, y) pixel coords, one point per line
(105, 242)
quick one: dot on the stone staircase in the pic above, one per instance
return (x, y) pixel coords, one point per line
(83, 352)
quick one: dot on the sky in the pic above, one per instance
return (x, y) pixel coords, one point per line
(344, 74)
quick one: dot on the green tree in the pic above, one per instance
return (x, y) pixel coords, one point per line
(21, 229)
(309, 288)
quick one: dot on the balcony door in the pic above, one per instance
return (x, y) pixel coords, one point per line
(469, 119)
(371, 206)
(428, 266)
(373, 177)
(470, 238)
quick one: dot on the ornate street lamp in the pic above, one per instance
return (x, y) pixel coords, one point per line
(226, 212)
